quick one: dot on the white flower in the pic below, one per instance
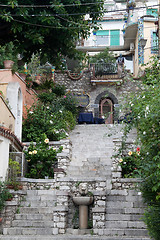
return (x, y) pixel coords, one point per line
(144, 133)
(143, 96)
(139, 117)
(47, 107)
(35, 152)
(30, 112)
(30, 152)
(46, 140)
(120, 160)
(147, 108)
(139, 193)
(60, 111)
(51, 121)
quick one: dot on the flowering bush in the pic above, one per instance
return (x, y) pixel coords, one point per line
(41, 158)
(54, 114)
(146, 119)
(130, 164)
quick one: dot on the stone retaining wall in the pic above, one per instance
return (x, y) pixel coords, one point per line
(11, 208)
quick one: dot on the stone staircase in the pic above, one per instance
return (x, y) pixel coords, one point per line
(35, 216)
(124, 212)
(92, 148)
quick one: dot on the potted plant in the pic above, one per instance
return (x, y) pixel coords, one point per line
(8, 55)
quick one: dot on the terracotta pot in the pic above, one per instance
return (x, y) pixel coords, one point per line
(20, 187)
(1, 220)
(10, 186)
(8, 64)
(9, 199)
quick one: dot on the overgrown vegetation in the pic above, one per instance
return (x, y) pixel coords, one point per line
(146, 118)
(54, 114)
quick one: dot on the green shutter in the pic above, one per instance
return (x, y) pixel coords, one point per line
(114, 37)
(102, 33)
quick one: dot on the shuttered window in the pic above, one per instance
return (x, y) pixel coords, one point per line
(115, 37)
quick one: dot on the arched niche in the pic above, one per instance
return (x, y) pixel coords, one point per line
(109, 97)
(14, 96)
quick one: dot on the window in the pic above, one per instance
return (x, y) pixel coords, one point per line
(154, 42)
(107, 37)
(102, 37)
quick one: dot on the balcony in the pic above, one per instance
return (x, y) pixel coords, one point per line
(106, 73)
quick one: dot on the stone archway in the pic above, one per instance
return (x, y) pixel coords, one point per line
(110, 99)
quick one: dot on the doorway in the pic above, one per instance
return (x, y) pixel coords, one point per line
(106, 110)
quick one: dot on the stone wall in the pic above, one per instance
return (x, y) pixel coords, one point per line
(115, 91)
(11, 208)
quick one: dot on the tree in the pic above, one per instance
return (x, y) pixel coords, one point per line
(50, 26)
(103, 57)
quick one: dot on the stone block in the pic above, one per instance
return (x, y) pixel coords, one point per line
(61, 225)
(55, 231)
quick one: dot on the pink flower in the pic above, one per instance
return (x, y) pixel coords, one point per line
(64, 96)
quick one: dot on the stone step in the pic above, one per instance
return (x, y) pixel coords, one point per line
(123, 217)
(125, 224)
(111, 204)
(70, 237)
(39, 203)
(36, 210)
(32, 223)
(117, 210)
(27, 231)
(40, 198)
(126, 232)
(124, 198)
(33, 216)
(41, 192)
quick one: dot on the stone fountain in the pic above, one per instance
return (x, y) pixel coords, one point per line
(83, 202)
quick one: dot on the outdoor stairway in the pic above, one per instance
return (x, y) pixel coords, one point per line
(92, 148)
(124, 212)
(35, 215)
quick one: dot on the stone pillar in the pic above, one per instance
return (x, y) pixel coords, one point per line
(83, 217)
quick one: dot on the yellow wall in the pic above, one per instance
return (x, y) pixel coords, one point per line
(7, 119)
(148, 28)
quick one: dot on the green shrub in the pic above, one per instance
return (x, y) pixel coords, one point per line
(4, 194)
(152, 219)
(41, 158)
(53, 115)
